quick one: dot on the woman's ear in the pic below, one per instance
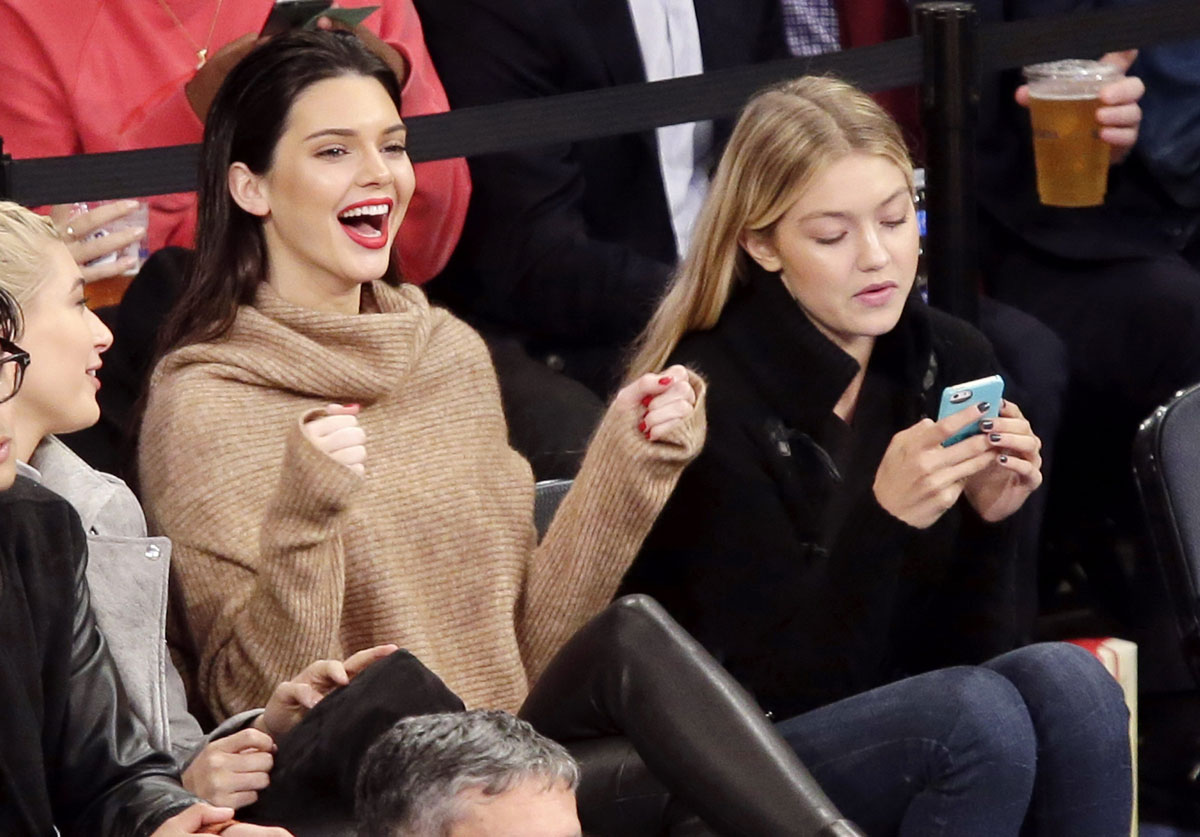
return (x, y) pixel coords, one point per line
(248, 190)
(760, 247)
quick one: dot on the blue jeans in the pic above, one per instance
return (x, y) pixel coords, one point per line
(1034, 742)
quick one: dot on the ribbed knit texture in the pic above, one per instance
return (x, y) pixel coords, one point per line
(284, 556)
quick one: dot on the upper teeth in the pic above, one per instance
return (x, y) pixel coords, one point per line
(373, 209)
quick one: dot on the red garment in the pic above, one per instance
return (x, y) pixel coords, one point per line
(867, 22)
(84, 76)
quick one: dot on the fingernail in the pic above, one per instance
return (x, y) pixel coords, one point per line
(984, 406)
(647, 435)
(351, 406)
(139, 231)
(646, 401)
(129, 204)
(665, 380)
(995, 437)
(1003, 457)
(986, 424)
(642, 427)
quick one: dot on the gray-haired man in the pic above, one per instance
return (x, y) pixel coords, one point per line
(466, 774)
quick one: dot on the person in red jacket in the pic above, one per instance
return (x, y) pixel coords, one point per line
(91, 76)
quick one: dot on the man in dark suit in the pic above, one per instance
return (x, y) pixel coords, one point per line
(568, 247)
(1108, 280)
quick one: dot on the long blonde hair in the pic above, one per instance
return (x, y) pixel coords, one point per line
(23, 239)
(784, 137)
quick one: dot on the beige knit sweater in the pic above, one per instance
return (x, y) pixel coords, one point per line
(283, 556)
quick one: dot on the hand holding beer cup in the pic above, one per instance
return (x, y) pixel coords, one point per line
(1085, 115)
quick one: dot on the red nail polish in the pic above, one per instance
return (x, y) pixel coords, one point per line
(647, 435)
(665, 380)
(646, 401)
(642, 427)
(350, 406)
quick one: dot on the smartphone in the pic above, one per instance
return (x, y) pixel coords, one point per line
(970, 394)
(292, 14)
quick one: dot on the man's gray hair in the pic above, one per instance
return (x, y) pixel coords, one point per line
(411, 778)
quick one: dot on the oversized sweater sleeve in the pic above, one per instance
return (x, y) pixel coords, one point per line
(257, 551)
(622, 485)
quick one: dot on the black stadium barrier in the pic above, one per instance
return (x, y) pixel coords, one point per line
(946, 57)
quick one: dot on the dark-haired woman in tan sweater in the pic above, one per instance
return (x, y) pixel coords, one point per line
(329, 456)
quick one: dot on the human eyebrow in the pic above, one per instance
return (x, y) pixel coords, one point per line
(330, 132)
(901, 192)
(350, 133)
(835, 215)
(825, 214)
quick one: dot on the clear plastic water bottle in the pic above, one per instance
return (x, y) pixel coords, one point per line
(919, 201)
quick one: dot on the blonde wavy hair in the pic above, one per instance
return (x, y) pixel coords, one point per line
(23, 238)
(784, 137)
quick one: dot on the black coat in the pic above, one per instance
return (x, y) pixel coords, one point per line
(773, 550)
(569, 245)
(72, 756)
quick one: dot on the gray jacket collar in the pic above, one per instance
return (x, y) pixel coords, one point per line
(64, 472)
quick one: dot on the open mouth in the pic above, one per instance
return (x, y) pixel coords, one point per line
(366, 222)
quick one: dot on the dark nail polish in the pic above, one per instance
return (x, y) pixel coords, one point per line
(1003, 457)
(984, 406)
(986, 424)
(995, 437)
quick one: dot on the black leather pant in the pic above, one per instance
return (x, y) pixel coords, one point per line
(633, 690)
(631, 685)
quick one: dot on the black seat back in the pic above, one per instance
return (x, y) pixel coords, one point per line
(1166, 465)
(547, 494)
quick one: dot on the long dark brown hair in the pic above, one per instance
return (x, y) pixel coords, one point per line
(247, 118)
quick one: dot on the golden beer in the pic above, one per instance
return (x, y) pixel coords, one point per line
(102, 293)
(1072, 161)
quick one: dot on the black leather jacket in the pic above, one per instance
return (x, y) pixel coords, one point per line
(71, 754)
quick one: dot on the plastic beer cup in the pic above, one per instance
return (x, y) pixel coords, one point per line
(102, 293)
(1072, 161)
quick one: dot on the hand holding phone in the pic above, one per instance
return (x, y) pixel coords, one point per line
(957, 397)
(920, 477)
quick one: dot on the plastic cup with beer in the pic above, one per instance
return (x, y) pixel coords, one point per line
(105, 292)
(1072, 161)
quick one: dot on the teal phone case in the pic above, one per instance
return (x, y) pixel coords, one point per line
(970, 394)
